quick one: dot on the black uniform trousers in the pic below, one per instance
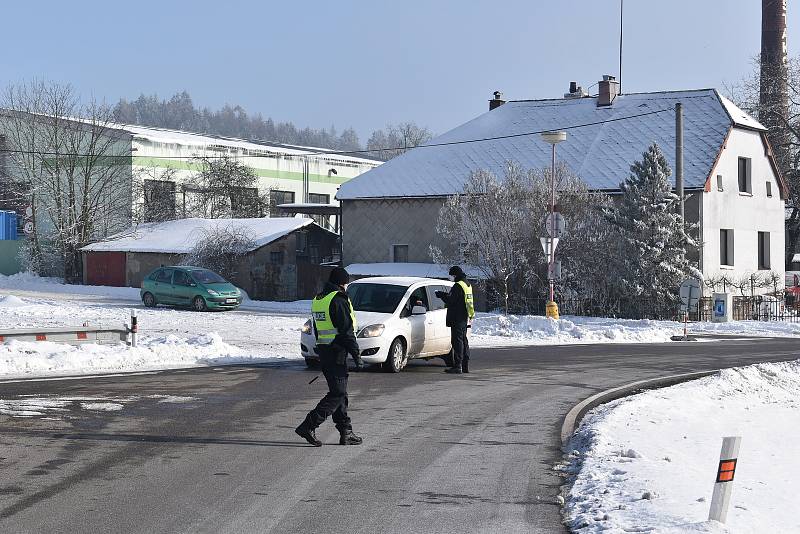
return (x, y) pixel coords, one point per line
(333, 360)
(460, 343)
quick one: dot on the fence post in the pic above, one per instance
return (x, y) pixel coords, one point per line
(134, 327)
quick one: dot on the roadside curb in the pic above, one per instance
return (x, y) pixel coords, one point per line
(576, 414)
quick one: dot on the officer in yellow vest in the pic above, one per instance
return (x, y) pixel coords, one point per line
(460, 312)
(334, 324)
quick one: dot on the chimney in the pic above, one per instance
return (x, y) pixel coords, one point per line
(497, 101)
(774, 90)
(575, 91)
(609, 89)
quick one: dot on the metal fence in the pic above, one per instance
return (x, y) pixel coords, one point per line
(765, 308)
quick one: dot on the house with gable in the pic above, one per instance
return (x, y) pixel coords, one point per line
(736, 194)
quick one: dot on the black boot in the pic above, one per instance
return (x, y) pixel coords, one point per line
(465, 366)
(348, 438)
(307, 434)
(453, 370)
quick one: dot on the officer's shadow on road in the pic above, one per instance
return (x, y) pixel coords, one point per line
(151, 438)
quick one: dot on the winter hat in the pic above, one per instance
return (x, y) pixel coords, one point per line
(456, 271)
(339, 276)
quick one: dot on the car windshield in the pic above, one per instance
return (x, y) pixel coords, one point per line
(205, 276)
(381, 298)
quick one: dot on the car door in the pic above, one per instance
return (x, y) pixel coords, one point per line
(422, 325)
(438, 316)
(182, 288)
(162, 286)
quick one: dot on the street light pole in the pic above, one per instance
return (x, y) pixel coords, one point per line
(553, 138)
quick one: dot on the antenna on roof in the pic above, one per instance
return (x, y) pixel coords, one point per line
(620, 45)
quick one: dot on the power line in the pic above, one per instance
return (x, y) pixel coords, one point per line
(351, 152)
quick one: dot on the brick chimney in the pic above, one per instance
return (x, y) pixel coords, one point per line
(497, 101)
(609, 89)
(774, 90)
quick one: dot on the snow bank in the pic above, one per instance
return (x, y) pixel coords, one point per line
(32, 282)
(25, 359)
(647, 463)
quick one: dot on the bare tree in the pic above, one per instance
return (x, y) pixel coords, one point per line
(71, 166)
(397, 139)
(222, 250)
(157, 196)
(225, 188)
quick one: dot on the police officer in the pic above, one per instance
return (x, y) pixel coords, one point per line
(460, 312)
(334, 326)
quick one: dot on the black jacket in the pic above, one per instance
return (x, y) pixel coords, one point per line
(340, 317)
(456, 305)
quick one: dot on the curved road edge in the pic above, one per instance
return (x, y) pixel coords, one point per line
(576, 414)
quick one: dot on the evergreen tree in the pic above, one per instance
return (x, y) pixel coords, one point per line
(652, 240)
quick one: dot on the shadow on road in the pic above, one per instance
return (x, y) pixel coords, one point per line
(150, 438)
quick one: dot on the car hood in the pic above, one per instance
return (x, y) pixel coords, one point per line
(224, 287)
(368, 318)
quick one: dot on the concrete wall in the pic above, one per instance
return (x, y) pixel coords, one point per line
(746, 214)
(9, 262)
(371, 227)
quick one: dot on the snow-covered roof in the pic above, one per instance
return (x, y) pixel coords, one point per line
(601, 152)
(180, 236)
(420, 270)
(165, 135)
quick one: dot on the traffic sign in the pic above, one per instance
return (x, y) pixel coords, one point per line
(28, 211)
(554, 270)
(690, 295)
(555, 224)
(28, 228)
(549, 245)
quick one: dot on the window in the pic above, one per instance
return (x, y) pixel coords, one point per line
(436, 302)
(381, 298)
(301, 241)
(719, 183)
(279, 197)
(400, 253)
(418, 298)
(319, 198)
(726, 247)
(159, 200)
(245, 202)
(164, 276)
(180, 279)
(769, 189)
(763, 251)
(745, 167)
(276, 257)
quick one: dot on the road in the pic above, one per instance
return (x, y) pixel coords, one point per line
(213, 450)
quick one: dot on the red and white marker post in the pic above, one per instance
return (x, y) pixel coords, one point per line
(724, 484)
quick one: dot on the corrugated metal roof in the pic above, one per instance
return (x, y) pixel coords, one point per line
(601, 145)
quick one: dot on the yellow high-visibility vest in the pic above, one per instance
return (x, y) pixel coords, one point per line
(468, 298)
(321, 315)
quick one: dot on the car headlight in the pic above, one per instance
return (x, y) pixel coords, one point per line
(306, 327)
(212, 293)
(374, 330)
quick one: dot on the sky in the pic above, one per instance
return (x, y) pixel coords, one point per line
(364, 64)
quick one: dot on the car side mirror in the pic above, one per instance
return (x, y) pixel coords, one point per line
(419, 310)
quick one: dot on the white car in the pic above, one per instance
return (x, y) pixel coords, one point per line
(398, 319)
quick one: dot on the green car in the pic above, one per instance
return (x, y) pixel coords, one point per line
(195, 287)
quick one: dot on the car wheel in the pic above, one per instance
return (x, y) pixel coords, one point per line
(149, 300)
(199, 304)
(311, 363)
(397, 358)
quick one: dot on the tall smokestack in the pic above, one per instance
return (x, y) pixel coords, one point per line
(774, 92)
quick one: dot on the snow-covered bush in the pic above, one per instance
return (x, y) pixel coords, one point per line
(222, 249)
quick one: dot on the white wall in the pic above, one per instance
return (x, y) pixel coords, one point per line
(745, 214)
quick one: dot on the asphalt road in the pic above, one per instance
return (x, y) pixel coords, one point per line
(441, 454)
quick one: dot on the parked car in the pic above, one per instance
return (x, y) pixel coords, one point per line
(399, 319)
(193, 287)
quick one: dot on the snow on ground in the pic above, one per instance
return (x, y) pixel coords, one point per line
(59, 406)
(647, 463)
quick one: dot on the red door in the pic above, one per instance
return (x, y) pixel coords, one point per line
(105, 269)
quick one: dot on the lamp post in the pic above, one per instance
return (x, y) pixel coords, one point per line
(553, 138)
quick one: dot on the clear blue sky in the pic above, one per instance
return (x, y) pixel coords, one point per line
(368, 63)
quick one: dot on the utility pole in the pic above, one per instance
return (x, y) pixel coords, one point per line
(679, 159)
